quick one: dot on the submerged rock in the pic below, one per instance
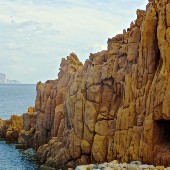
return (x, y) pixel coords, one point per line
(42, 167)
(21, 146)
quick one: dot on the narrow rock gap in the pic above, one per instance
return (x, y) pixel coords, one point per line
(158, 60)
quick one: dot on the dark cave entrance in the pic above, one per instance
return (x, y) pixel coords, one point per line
(161, 143)
(158, 58)
(162, 131)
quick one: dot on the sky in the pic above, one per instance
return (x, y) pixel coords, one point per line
(36, 34)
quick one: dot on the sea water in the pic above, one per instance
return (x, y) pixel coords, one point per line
(15, 99)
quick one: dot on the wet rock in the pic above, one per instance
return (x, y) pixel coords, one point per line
(42, 167)
(21, 146)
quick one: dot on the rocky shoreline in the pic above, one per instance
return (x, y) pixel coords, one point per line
(114, 165)
(113, 107)
(19, 130)
(10, 129)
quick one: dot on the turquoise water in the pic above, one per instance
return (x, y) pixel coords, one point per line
(15, 99)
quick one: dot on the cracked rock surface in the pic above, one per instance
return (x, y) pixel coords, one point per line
(116, 105)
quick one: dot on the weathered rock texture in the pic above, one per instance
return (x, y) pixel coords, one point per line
(116, 105)
(10, 129)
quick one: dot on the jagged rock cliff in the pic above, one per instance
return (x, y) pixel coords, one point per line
(10, 129)
(116, 105)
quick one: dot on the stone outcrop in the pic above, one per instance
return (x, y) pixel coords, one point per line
(2, 128)
(115, 106)
(25, 138)
(10, 129)
(47, 119)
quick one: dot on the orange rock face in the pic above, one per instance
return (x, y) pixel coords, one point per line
(2, 128)
(10, 129)
(116, 105)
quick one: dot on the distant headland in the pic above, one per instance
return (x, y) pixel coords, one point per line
(4, 80)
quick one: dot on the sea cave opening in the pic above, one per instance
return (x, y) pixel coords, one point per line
(163, 131)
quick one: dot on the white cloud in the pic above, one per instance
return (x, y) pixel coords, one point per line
(36, 33)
